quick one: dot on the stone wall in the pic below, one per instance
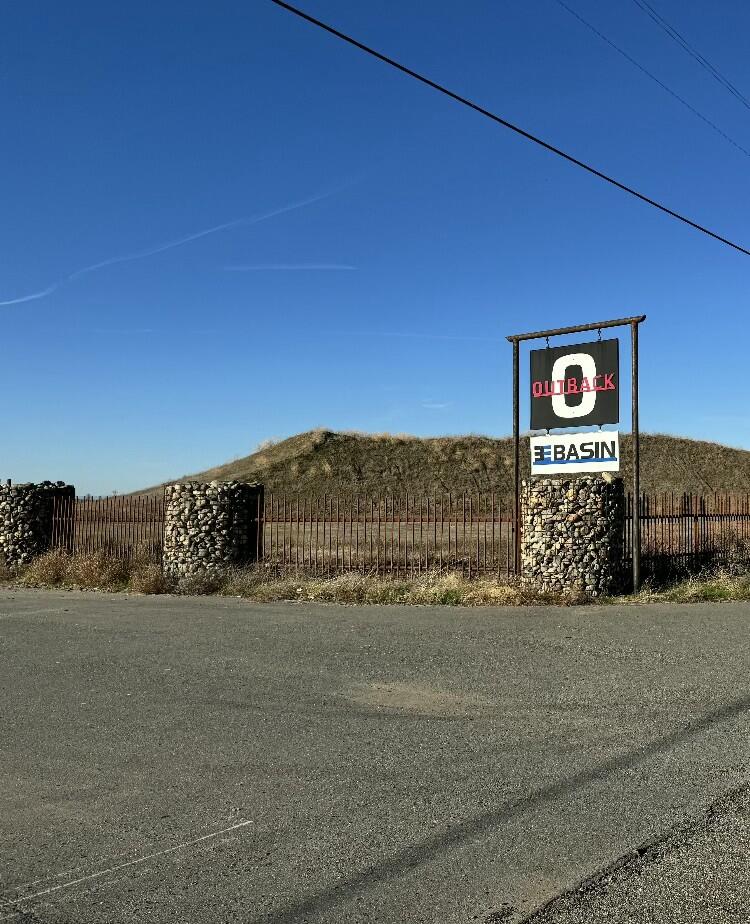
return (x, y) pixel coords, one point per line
(26, 519)
(210, 527)
(572, 534)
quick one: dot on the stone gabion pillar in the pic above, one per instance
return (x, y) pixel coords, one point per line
(572, 533)
(26, 519)
(211, 527)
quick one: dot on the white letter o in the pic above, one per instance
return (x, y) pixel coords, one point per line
(560, 406)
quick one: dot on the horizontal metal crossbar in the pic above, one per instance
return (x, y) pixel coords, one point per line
(577, 329)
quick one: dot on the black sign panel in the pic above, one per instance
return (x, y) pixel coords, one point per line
(575, 385)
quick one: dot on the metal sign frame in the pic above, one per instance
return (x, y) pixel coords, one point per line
(516, 339)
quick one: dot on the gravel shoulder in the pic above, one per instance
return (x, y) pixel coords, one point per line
(699, 872)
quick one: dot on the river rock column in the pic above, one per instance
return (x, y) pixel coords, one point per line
(211, 527)
(572, 533)
(29, 514)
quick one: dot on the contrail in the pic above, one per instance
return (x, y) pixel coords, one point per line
(170, 245)
(413, 336)
(255, 267)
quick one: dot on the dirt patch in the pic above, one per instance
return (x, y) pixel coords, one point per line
(396, 696)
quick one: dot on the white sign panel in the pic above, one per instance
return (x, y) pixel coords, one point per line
(575, 452)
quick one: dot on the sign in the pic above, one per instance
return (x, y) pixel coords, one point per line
(575, 385)
(575, 452)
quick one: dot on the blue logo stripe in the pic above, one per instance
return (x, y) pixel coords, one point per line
(573, 461)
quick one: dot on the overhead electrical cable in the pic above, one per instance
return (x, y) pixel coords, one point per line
(506, 124)
(693, 52)
(653, 77)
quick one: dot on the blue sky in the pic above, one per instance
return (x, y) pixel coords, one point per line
(359, 246)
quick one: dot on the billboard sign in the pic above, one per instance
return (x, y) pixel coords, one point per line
(572, 453)
(575, 386)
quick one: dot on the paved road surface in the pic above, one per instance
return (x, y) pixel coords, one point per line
(211, 760)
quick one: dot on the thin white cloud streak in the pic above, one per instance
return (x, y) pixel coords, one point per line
(414, 336)
(153, 330)
(295, 267)
(169, 245)
(437, 405)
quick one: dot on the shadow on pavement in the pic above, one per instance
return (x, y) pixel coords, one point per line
(419, 854)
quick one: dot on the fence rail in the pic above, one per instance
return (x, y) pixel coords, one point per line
(123, 527)
(408, 534)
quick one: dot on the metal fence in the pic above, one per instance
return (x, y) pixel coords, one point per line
(122, 527)
(687, 533)
(402, 535)
(408, 534)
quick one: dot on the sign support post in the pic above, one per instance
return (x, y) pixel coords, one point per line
(636, 535)
(516, 466)
(516, 339)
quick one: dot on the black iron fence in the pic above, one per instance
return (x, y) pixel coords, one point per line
(122, 527)
(408, 534)
(689, 533)
(402, 535)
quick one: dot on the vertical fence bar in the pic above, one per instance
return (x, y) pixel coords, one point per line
(427, 539)
(294, 533)
(372, 521)
(415, 546)
(330, 538)
(442, 528)
(259, 526)
(407, 552)
(484, 530)
(284, 530)
(356, 541)
(421, 533)
(463, 535)
(471, 530)
(336, 568)
(387, 522)
(377, 541)
(494, 549)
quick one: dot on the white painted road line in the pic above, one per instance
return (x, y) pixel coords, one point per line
(114, 869)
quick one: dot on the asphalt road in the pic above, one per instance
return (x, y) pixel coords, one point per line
(210, 760)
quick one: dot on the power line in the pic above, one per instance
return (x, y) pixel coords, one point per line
(506, 124)
(653, 77)
(693, 52)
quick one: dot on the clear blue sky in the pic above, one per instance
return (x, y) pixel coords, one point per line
(419, 233)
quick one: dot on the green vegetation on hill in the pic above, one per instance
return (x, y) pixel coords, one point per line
(322, 461)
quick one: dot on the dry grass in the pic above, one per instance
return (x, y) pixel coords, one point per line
(706, 589)
(201, 585)
(101, 572)
(49, 570)
(95, 571)
(148, 579)
(435, 589)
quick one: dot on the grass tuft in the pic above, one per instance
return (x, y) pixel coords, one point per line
(97, 570)
(48, 570)
(200, 585)
(149, 579)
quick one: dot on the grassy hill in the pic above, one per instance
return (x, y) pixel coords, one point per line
(322, 461)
